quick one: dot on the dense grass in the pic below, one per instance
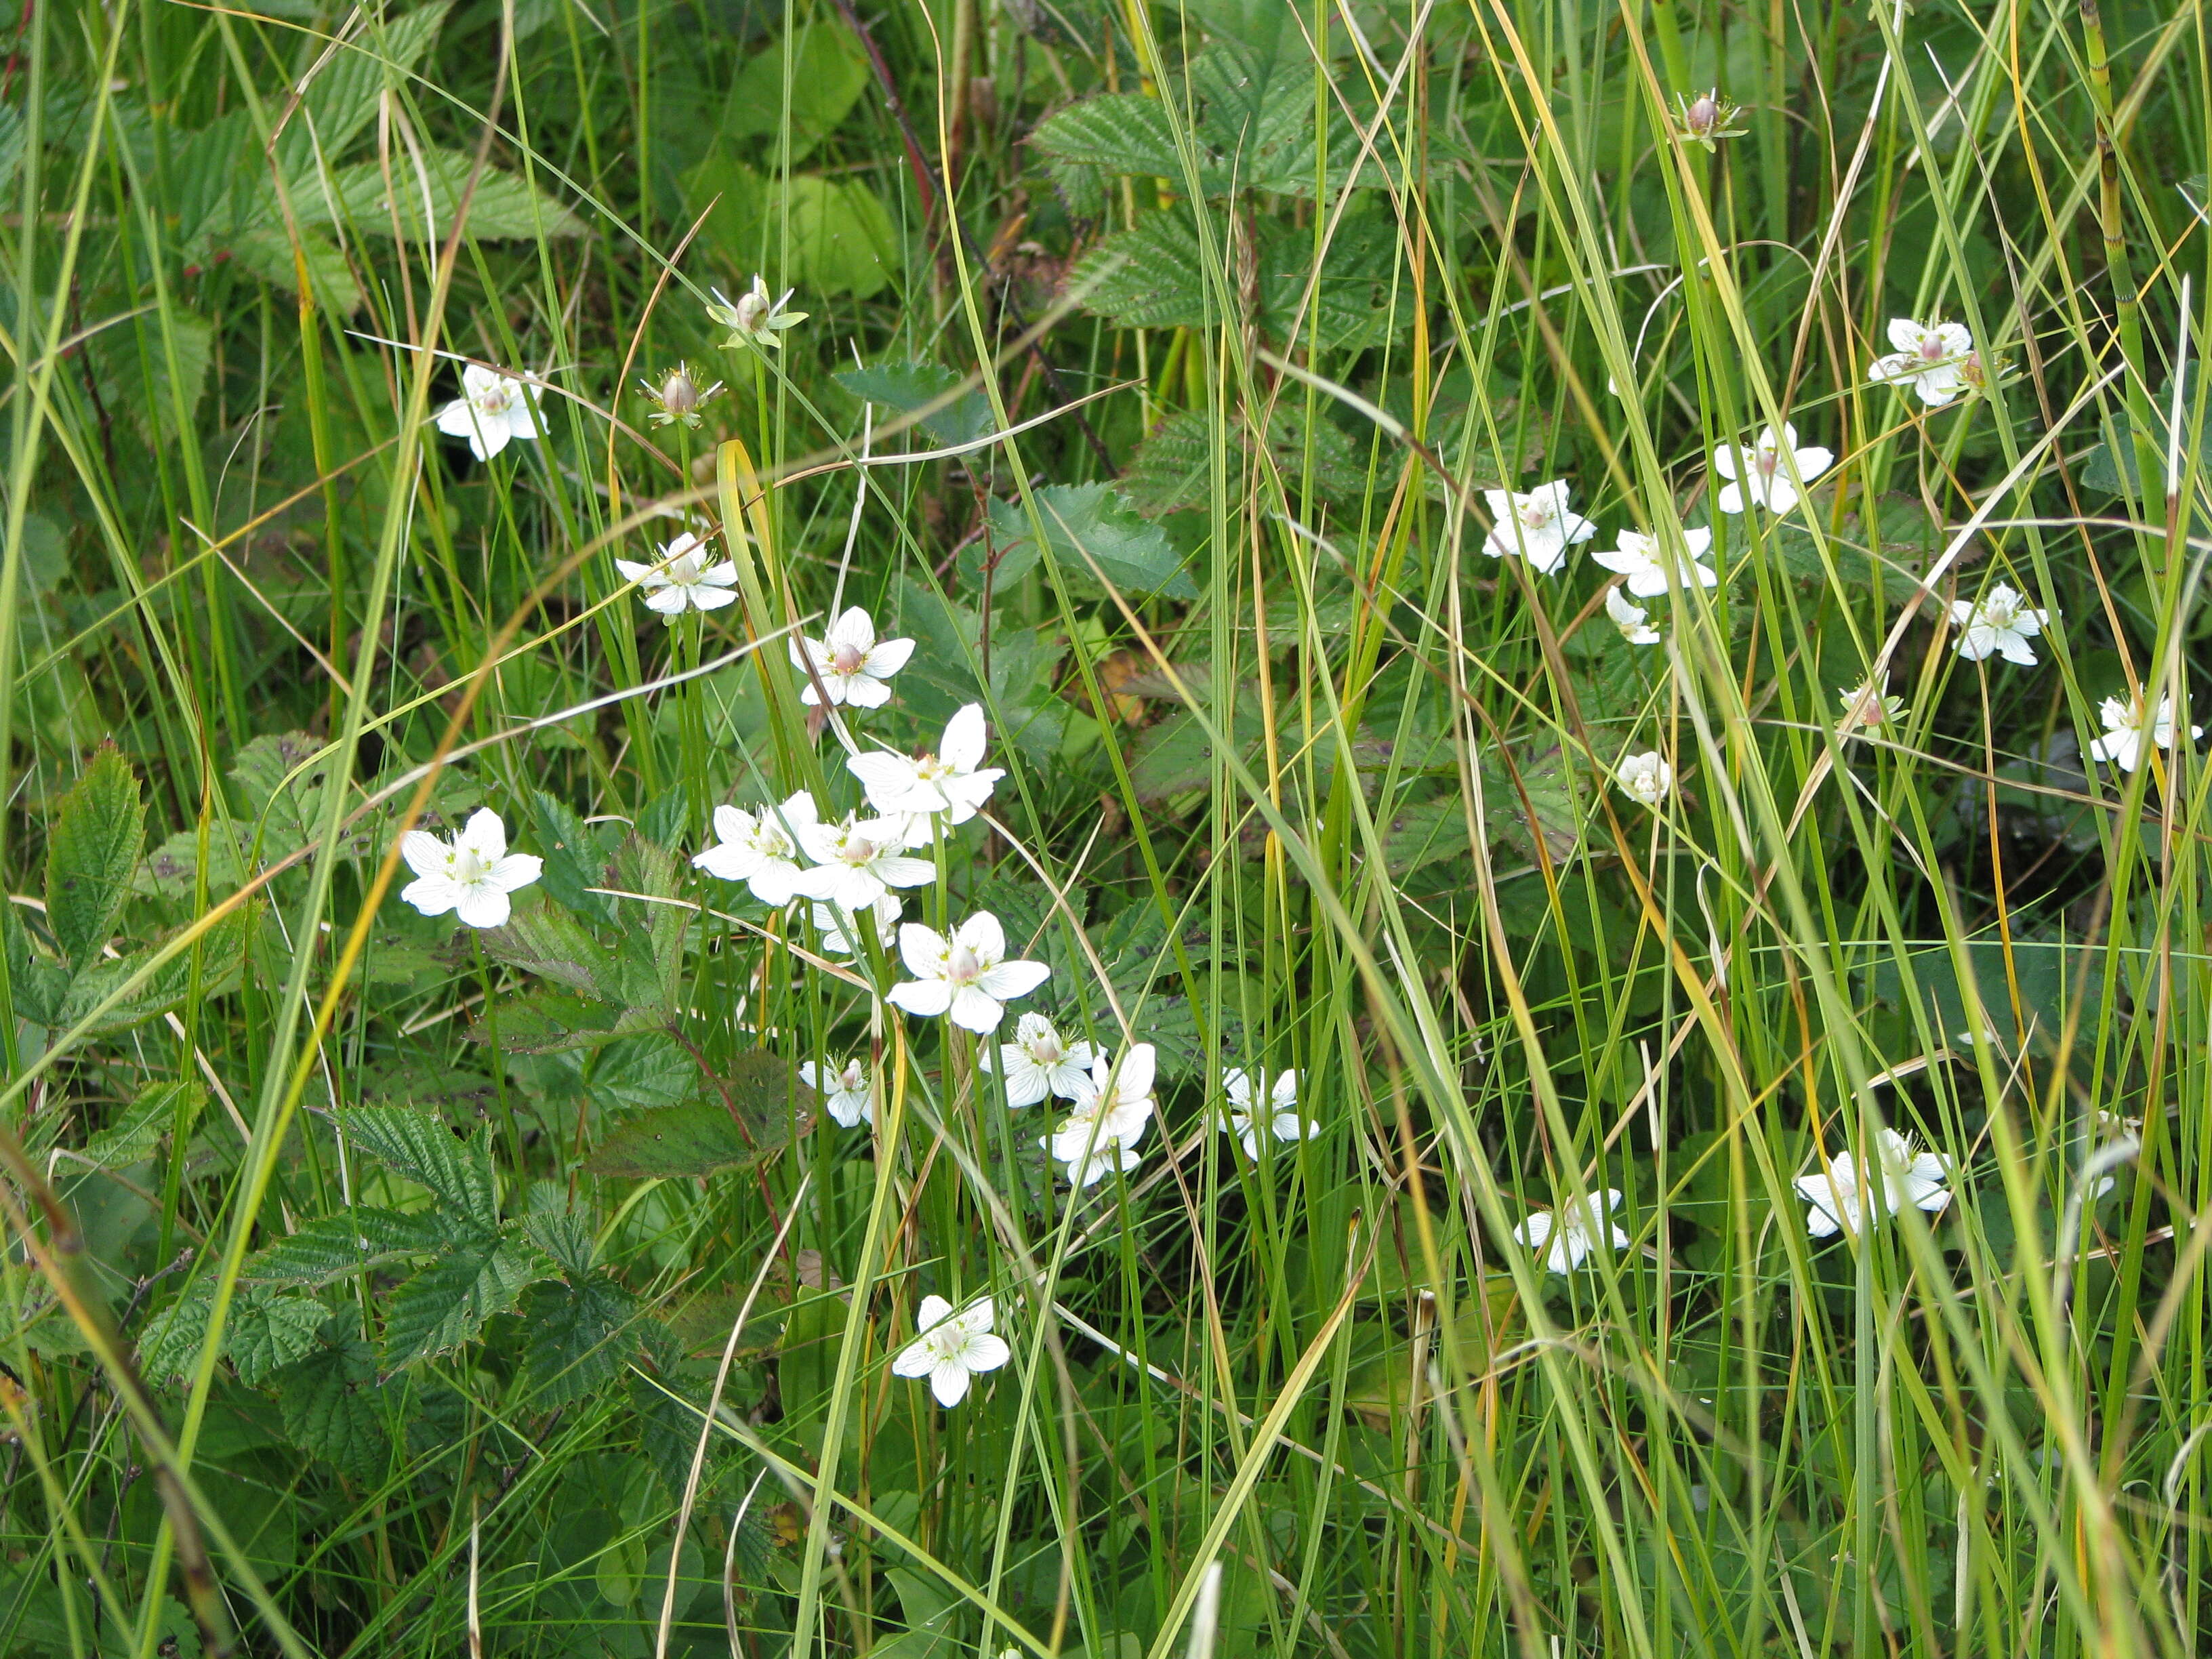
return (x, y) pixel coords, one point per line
(378, 1285)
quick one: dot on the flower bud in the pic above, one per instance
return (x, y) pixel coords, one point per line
(1705, 114)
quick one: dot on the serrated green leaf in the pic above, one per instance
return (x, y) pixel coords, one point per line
(1124, 133)
(651, 935)
(422, 1149)
(1171, 468)
(328, 1402)
(565, 1237)
(542, 939)
(503, 208)
(36, 985)
(644, 1073)
(571, 1347)
(276, 258)
(910, 387)
(1150, 276)
(341, 98)
(222, 956)
(268, 1330)
(330, 1248)
(675, 1141)
(573, 862)
(133, 364)
(1091, 530)
(447, 1302)
(91, 852)
(153, 1118)
(554, 1022)
(280, 788)
(1349, 307)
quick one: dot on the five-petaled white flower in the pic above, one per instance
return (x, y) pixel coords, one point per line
(1566, 1235)
(951, 1348)
(1760, 474)
(1645, 778)
(1099, 1135)
(1277, 1112)
(843, 1089)
(493, 409)
(2000, 622)
(966, 977)
(1536, 526)
(954, 781)
(1646, 563)
(1929, 358)
(761, 851)
(2122, 744)
(851, 662)
(683, 578)
(1037, 1063)
(1633, 621)
(753, 318)
(1842, 1193)
(471, 875)
(858, 861)
(839, 928)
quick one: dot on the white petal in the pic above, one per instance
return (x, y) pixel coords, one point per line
(1009, 980)
(926, 998)
(888, 657)
(515, 871)
(981, 933)
(486, 834)
(484, 905)
(974, 1008)
(433, 895)
(425, 853)
(932, 1313)
(964, 738)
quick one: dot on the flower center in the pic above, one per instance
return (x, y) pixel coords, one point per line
(751, 308)
(963, 966)
(929, 768)
(1046, 1050)
(684, 571)
(858, 850)
(470, 866)
(677, 395)
(1535, 514)
(1767, 461)
(771, 842)
(1998, 614)
(846, 659)
(1705, 114)
(494, 398)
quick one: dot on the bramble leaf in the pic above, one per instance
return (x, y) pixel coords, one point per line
(91, 852)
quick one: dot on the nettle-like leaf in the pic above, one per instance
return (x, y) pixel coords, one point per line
(165, 987)
(1126, 134)
(1171, 469)
(764, 1107)
(1150, 276)
(355, 1240)
(36, 985)
(328, 1402)
(423, 206)
(420, 1148)
(91, 851)
(161, 1111)
(554, 945)
(265, 1329)
(574, 861)
(908, 387)
(341, 98)
(446, 1303)
(1091, 531)
(573, 1347)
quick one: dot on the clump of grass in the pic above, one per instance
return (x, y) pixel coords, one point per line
(1067, 827)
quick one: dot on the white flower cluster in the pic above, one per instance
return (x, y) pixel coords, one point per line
(1839, 1197)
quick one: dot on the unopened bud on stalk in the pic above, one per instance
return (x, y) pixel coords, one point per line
(1707, 117)
(677, 397)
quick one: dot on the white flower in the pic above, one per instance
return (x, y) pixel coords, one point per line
(966, 977)
(850, 662)
(951, 1348)
(1536, 526)
(682, 579)
(1645, 779)
(493, 409)
(1840, 1195)
(1567, 1236)
(954, 781)
(838, 929)
(1868, 705)
(1243, 1120)
(1927, 358)
(1645, 564)
(844, 1090)
(470, 876)
(858, 861)
(1760, 474)
(761, 852)
(1101, 1134)
(1038, 1063)
(752, 318)
(1632, 620)
(1998, 622)
(2122, 744)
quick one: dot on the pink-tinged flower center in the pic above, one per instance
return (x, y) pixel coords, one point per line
(1765, 462)
(677, 394)
(963, 966)
(1046, 1050)
(1535, 511)
(857, 850)
(846, 658)
(1932, 348)
(1705, 114)
(494, 398)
